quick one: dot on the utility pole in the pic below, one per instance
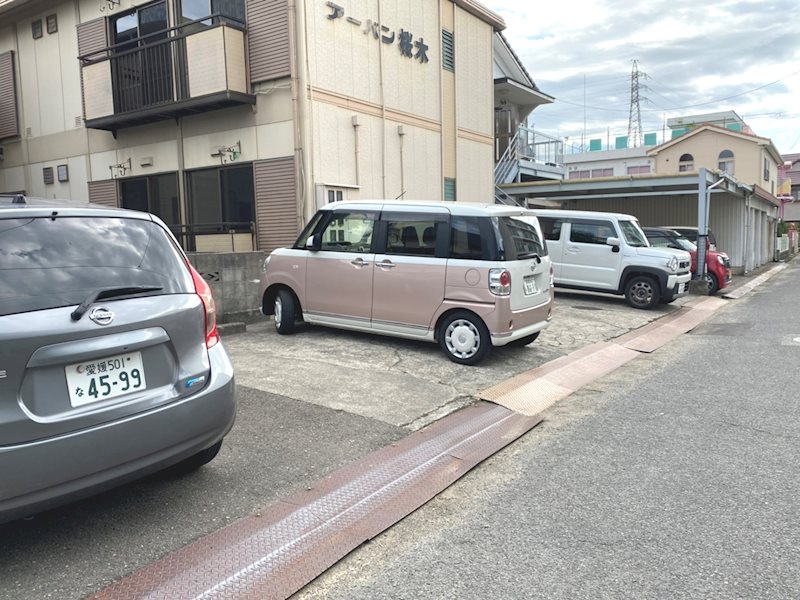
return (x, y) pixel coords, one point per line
(635, 114)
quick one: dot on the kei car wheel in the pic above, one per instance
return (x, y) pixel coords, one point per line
(524, 341)
(713, 283)
(464, 338)
(642, 292)
(285, 312)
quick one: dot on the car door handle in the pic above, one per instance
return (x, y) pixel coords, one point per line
(386, 264)
(359, 262)
(574, 249)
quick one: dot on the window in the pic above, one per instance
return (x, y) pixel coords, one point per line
(449, 190)
(551, 228)
(412, 234)
(156, 194)
(520, 238)
(726, 162)
(586, 174)
(37, 255)
(766, 169)
(194, 10)
(349, 232)
(602, 172)
(465, 238)
(659, 241)
(685, 163)
(448, 51)
(335, 196)
(591, 232)
(639, 170)
(222, 195)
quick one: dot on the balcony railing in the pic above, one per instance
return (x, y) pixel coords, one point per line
(216, 237)
(195, 67)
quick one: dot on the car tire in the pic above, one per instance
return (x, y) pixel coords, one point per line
(713, 284)
(285, 312)
(464, 338)
(524, 341)
(642, 292)
(196, 461)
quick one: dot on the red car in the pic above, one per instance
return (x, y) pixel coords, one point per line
(718, 265)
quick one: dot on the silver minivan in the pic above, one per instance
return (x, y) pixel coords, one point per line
(467, 276)
(111, 366)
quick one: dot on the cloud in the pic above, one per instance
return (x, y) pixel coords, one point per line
(714, 56)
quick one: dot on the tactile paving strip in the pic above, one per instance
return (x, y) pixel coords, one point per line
(275, 554)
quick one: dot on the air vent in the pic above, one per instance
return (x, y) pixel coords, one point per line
(448, 51)
(78, 121)
(47, 175)
(28, 132)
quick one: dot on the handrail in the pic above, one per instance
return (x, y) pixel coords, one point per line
(187, 232)
(502, 197)
(507, 160)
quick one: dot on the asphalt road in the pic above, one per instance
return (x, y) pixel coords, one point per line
(308, 404)
(678, 476)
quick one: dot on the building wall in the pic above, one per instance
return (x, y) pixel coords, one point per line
(705, 148)
(618, 160)
(411, 124)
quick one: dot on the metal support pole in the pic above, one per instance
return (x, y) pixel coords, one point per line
(702, 226)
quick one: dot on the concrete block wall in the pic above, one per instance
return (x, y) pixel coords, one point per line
(234, 279)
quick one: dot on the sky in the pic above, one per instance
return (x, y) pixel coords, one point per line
(698, 57)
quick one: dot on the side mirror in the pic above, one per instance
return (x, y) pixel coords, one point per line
(614, 243)
(314, 243)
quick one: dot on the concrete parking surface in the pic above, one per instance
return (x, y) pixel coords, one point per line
(408, 383)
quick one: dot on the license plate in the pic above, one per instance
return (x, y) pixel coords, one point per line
(529, 285)
(105, 378)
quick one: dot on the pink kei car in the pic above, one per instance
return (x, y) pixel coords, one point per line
(467, 276)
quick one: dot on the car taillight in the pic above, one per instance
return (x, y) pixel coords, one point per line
(552, 276)
(499, 282)
(203, 290)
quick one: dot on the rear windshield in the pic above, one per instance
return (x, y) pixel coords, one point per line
(49, 263)
(520, 237)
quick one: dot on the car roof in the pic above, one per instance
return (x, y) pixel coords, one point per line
(14, 206)
(582, 214)
(662, 230)
(454, 208)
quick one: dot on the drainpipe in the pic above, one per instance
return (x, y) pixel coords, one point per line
(303, 124)
(748, 225)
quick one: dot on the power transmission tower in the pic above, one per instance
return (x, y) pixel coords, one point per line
(635, 114)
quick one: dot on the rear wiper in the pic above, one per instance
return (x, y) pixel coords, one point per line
(532, 255)
(110, 293)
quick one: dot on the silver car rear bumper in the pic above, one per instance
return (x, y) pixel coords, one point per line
(85, 462)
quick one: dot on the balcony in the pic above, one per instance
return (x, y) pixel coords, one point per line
(195, 67)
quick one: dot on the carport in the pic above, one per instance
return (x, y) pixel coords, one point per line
(742, 217)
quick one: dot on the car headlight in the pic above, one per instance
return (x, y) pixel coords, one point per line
(672, 263)
(720, 259)
(266, 264)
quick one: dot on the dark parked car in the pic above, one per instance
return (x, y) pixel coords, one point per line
(718, 265)
(111, 366)
(690, 233)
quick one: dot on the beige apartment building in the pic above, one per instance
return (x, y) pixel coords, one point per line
(241, 117)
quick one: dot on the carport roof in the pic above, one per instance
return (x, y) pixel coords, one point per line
(617, 187)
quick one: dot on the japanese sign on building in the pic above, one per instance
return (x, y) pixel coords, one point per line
(407, 45)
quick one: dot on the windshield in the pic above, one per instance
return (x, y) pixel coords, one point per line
(685, 244)
(48, 263)
(634, 235)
